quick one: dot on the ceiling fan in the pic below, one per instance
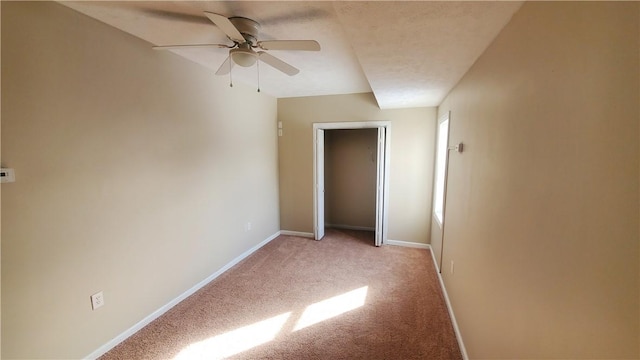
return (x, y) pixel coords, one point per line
(244, 34)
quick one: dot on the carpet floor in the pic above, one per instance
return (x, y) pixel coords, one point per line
(296, 298)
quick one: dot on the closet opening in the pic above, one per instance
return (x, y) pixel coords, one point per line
(351, 162)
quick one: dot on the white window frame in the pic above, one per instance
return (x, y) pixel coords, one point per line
(440, 171)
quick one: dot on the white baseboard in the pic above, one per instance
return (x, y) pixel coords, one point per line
(156, 314)
(296, 233)
(350, 227)
(407, 244)
(456, 329)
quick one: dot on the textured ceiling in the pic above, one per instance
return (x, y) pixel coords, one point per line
(410, 54)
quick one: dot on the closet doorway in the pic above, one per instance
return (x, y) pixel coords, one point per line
(381, 154)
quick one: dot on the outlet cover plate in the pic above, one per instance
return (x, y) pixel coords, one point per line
(97, 300)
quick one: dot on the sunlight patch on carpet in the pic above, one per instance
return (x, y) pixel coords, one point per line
(247, 337)
(235, 341)
(332, 307)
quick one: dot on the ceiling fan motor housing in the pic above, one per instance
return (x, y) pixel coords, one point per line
(249, 29)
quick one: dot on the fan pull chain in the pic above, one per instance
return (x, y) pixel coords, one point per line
(258, 67)
(230, 78)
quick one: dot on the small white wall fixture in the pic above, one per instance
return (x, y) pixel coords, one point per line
(382, 179)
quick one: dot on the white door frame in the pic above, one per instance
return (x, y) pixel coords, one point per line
(445, 117)
(318, 184)
(382, 198)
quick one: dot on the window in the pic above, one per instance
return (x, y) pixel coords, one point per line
(441, 164)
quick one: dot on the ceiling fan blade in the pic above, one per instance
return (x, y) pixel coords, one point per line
(226, 66)
(192, 46)
(306, 45)
(277, 63)
(226, 26)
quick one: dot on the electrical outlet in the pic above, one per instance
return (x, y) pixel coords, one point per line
(247, 226)
(451, 267)
(97, 300)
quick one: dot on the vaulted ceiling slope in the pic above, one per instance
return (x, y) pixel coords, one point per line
(408, 53)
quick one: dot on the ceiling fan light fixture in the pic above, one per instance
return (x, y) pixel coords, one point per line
(243, 57)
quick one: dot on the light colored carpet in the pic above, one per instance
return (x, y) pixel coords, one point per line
(296, 298)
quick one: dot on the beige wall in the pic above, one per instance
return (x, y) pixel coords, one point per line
(136, 172)
(350, 177)
(411, 168)
(542, 210)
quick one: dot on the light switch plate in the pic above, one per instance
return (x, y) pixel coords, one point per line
(7, 175)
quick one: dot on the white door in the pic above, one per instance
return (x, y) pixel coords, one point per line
(319, 185)
(380, 185)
